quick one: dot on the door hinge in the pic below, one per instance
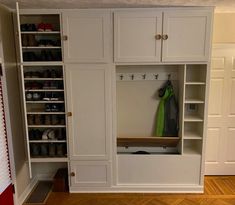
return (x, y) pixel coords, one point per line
(13, 189)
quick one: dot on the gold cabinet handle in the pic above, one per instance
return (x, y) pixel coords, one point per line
(158, 36)
(72, 174)
(64, 38)
(165, 37)
(69, 114)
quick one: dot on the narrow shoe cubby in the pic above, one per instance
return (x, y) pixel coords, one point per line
(40, 38)
(194, 108)
(45, 112)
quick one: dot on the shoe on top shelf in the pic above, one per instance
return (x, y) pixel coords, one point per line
(45, 27)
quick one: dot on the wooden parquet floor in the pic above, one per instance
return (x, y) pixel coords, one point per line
(219, 190)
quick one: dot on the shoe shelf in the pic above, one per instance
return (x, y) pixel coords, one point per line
(41, 47)
(40, 32)
(195, 83)
(42, 79)
(44, 90)
(42, 63)
(47, 141)
(46, 113)
(46, 126)
(42, 102)
(49, 159)
(193, 101)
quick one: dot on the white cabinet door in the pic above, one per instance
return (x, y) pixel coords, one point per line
(90, 173)
(134, 36)
(88, 97)
(188, 35)
(88, 33)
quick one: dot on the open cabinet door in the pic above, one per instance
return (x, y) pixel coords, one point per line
(6, 188)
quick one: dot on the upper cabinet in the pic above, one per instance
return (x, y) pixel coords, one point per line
(162, 35)
(86, 36)
(137, 36)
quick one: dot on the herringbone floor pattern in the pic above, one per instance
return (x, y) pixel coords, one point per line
(218, 191)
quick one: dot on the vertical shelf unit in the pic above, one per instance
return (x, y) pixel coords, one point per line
(42, 78)
(194, 108)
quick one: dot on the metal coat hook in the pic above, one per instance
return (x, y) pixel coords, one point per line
(169, 76)
(144, 76)
(121, 77)
(156, 76)
(132, 77)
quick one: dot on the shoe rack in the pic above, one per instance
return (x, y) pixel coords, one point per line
(42, 77)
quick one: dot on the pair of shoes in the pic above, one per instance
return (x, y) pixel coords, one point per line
(46, 42)
(46, 56)
(29, 56)
(28, 27)
(61, 134)
(29, 40)
(51, 74)
(35, 119)
(48, 134)
(57, 150)
(33, 85)
(53, 120)
(35, 134)
(33, 96)
(53, 96)
(53, 108)
(35, 150)
(45, 27)
(31, 74)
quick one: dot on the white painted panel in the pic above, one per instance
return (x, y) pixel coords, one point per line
(158, 169)
(134, 34)
(230, 142)
(188, 35)
(217, 63)
(216, 97)
(88, 36)
(90, 173)
(87, 100)
(232, 98)
(212, 144)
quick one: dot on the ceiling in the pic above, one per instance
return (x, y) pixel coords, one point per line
(221, 5)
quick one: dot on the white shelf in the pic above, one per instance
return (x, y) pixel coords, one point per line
(194, 101)
(190, 151)
(195, 83)
(37, 79)
(41, 47)
(40, 32)
(47, 141)
(46, 126)
(41, 63)
(49, 159)
(46, 113)
(42, 102)
(188, 134)
(44, 90)
(192, 118)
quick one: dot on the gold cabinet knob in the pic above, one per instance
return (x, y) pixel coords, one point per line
(158, 36)
(69, 114)
(72, 174)
(165, 37)
(64, 38)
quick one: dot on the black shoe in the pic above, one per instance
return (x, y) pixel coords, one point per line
(44, 150)
(35, 150)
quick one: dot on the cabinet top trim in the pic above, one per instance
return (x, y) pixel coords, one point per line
(58, 11)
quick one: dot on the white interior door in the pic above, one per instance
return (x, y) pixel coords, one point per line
(220, 146)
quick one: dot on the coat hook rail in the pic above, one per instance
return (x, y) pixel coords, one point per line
(146, 76)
